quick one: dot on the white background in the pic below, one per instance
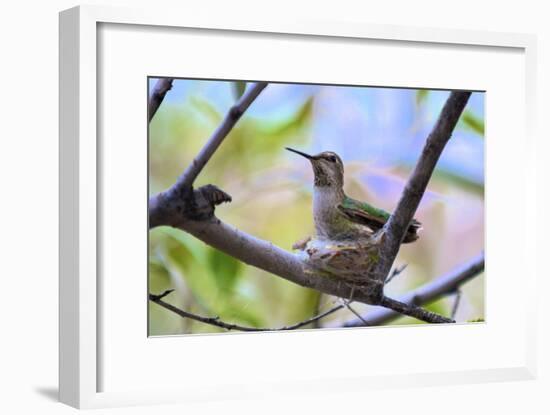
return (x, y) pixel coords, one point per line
(28, 356)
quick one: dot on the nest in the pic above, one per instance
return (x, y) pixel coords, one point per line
(347, 260)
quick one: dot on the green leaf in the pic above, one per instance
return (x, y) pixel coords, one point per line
(224, 268)
(306, 306)
(421, 96)
(159, 280)
(188, 243)
(206, 109)
(452, 178)
(473, 122)
(295, 121)
(235, 312)
(182, 268)
(238, 89)
(461, 181)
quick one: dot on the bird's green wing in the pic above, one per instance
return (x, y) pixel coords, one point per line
(364, 213)
(374, 218)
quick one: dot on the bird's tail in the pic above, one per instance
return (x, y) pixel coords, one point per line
(412, 232)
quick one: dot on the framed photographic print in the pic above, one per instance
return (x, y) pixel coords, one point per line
(251, 207)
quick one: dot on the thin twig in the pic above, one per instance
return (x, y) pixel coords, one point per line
(350, 308)
(318, 305)
(313, 319)
(413, 311)
(398, 223)
(347, 303)
(432, 291)
(458, 296)
(396, 271)
(160, 89)
(156, 297)
(215, 321)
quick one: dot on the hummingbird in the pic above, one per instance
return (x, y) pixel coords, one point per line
(338, 216)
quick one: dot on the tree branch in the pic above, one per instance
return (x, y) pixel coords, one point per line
(160, 89)
(215, 321)
(268, 257)
(440, 287)
(395, 229)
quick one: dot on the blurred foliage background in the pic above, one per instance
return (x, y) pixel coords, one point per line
(378, 132)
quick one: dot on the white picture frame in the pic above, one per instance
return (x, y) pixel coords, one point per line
(79, 169)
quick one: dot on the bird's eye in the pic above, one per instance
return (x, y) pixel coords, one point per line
(332, 159)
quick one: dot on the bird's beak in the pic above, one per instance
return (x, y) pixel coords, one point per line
(307, 156)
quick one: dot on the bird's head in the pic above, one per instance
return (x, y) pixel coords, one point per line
(327, 167)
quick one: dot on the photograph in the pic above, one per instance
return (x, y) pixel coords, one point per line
(277, 206)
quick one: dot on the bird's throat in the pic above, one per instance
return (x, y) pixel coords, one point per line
(329, 221)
